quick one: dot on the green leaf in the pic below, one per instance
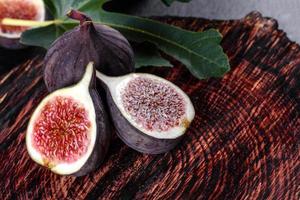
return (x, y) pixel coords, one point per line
(50, 7)
(148, 55)
(62, 7)
(59, 9)
(169, 2)
(46, 34)
(199, 51)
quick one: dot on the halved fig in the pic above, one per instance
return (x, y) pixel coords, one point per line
(150, 113)
(69, 131)
(18, 9)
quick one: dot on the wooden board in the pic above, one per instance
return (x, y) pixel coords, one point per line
(243, 143)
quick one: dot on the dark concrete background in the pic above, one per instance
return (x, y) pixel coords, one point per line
(287, 12)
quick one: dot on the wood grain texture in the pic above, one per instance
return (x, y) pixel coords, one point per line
(243, 143)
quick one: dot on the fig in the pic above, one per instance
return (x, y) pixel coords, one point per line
(150, 114)
(18, 9)
(67, 57)
(69, 131)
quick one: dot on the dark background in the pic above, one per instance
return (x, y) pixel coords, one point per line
(287, 12)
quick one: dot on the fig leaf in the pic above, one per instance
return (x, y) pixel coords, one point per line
(201, 52)
(169, 2)
(147, 54)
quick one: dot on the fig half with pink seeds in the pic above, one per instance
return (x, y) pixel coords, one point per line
(150, 113)
(18, 9)
(69, 131)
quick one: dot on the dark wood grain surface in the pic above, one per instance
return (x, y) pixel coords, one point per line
(243, 143)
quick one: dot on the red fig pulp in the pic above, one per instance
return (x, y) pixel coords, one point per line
(69, 131)
(60, 117)
(150, 114)
(154, 105)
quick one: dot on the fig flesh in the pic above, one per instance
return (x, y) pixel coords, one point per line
(150, 113)
(66, 59)
(69, 131)
(18, 9)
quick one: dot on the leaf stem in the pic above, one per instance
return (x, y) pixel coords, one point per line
(30, 23)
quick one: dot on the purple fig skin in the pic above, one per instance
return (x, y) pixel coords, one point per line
(133, 137)
(103, 133)
(11, 43)
(68, 56)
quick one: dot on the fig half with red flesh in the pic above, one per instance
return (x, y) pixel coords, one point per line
(18, 9)
(69, 131)
(150, 113)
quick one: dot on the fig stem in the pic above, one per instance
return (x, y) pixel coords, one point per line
(28, 23)
(77, 15)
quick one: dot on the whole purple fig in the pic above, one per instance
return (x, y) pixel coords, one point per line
(68, 56)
